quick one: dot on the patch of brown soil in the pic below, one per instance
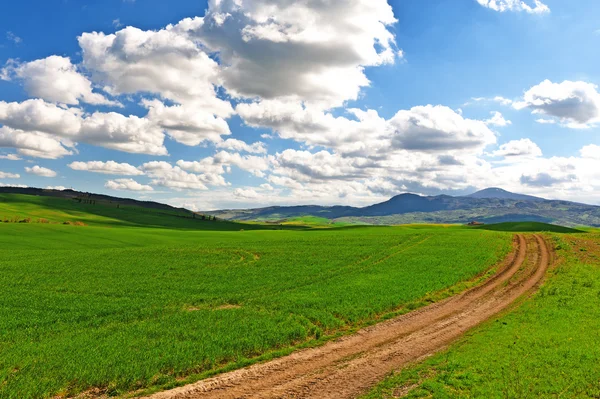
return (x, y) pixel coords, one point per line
(347, 367)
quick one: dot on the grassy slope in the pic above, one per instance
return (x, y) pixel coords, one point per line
(123, 308)
(546, 348)
(59, 210)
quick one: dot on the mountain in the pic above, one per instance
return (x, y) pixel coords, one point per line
(492, 205)
(503, 194)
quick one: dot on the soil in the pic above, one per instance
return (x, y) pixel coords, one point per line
(349, 366)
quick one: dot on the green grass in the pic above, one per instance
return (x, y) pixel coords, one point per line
(547, 348)
(525, 227)
(120, 307)
(59, 210)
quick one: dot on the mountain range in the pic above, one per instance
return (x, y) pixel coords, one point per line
(492, 205)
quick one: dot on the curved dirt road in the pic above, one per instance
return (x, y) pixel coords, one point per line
(347, 367)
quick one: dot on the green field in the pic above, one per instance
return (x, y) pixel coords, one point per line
(122, 308)
(16, 207)
(547, 348)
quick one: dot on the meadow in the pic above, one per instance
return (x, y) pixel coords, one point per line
(112, 308)
(546, 348)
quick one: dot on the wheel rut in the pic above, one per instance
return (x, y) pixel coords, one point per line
(347, 367)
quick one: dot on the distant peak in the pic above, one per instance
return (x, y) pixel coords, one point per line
(499, 193)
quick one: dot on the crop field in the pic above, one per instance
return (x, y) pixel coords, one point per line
(547, 348)
(115, 309)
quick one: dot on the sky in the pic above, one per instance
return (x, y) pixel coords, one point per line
(252, 103)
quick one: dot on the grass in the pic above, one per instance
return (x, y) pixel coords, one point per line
(60, 210)
(120, 307)
(547, 348)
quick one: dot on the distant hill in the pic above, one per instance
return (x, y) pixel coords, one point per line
(493, 205)
(503, 194)
(70, 194)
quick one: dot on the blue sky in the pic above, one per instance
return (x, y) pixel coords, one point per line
(257, 103)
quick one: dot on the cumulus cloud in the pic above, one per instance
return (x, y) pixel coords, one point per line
(314, 52)
(497, 119)
(55, 79)
(166, 175)
(575, 104)
(123, 133)
(127, 185)
(33, 144)
(38, 115)
(67, 125)
(107, 168)
(164, 62)
(307, 166)
(438, 128)
(222, 162)
(518, 148)
(531, 7)
(57, 188)
(6, 175)
(591, 151)
(188, 125)
(40, 171)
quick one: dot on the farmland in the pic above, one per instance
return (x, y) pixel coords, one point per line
(548, 347)
(118, 308)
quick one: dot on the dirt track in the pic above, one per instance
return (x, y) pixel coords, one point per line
(347, 367)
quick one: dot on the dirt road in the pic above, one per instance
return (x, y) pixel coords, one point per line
(349, 366)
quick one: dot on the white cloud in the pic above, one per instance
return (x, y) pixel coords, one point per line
(518, 148)
(165, 175)
(575, 104)
(591, 151)
(38, 115)
(55, 79)
(300, 51)
(438, 128)
(67, 125)
(108, 168)
(164, 62)
(11, 157)
(40, 171)
(221, 163)
(543, 121)
(536, 7)
(33, 144)
(127, 185)
(118, 132)
(247, 193)
(57, 188)
(6, 175)
(189, 125)
(240, 146)
(497, 119)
